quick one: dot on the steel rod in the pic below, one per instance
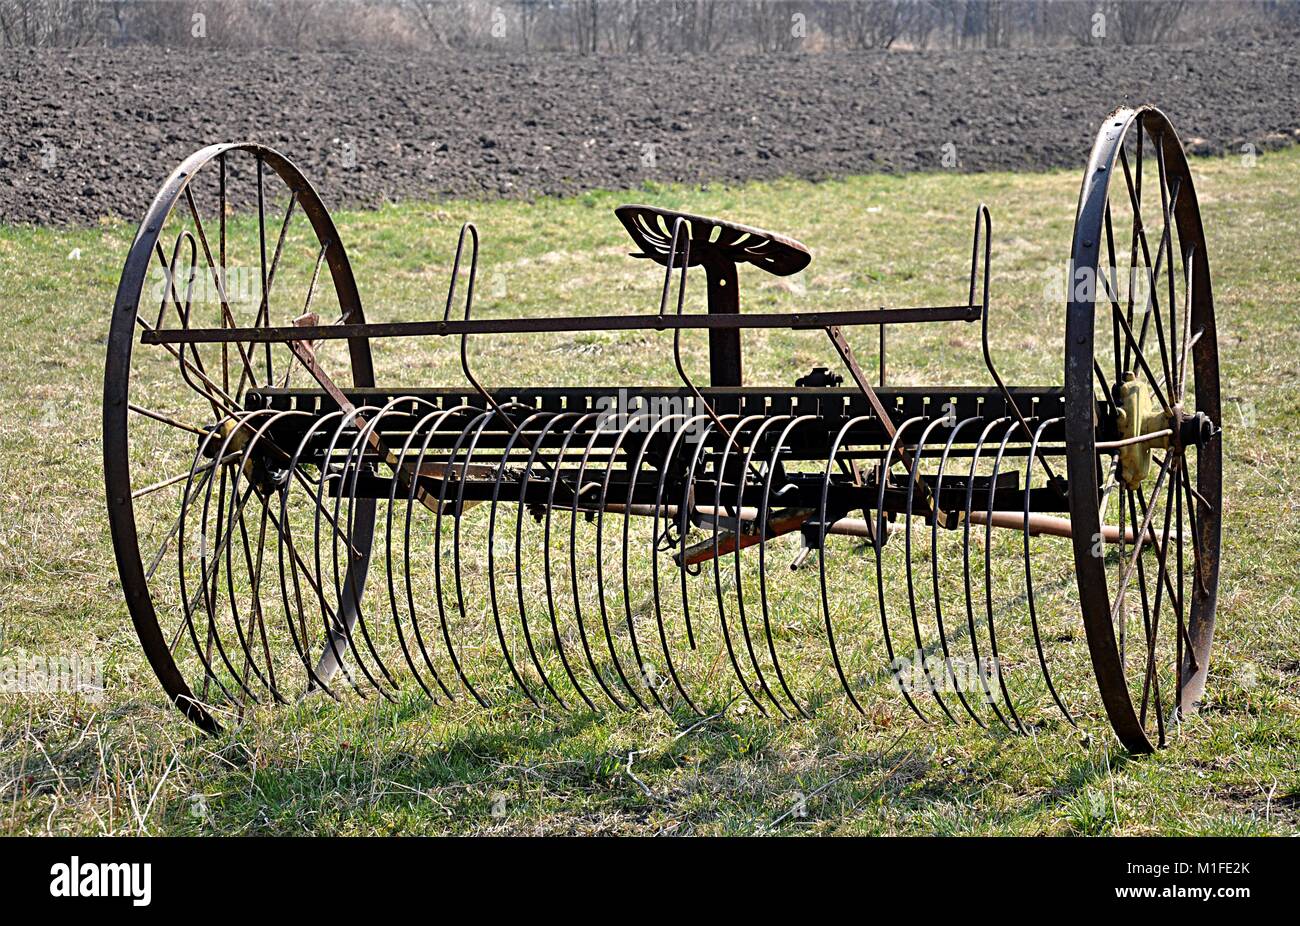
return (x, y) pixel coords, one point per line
(797, 321)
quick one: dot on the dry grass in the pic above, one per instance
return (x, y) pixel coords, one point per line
(127, 763)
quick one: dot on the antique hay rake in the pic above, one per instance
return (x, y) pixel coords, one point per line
(589, 546)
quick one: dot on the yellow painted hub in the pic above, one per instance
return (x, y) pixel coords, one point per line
(1139, 414)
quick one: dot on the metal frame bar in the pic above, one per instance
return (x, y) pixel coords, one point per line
(795, 321)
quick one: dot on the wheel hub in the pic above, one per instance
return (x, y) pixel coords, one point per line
(1139, 414)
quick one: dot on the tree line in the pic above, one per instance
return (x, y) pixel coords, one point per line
(630, 27)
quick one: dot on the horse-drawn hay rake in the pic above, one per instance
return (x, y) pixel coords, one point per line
(592, 547)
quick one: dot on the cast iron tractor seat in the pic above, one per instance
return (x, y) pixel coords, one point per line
(718, 246)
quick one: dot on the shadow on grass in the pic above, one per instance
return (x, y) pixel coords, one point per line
(416, 767)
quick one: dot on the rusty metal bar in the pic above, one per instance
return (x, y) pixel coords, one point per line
(796, 321)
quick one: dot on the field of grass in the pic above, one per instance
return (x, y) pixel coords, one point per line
(126, 762)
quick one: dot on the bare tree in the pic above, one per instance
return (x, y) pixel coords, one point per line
(1143, 22)
(667, 27)
(869, 24)
(53, 22)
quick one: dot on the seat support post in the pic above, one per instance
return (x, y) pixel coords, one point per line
(724, 344)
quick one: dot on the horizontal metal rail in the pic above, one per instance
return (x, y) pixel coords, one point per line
(797, 321)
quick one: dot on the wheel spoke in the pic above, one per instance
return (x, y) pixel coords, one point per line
(1137, 233)
(338, 531)
(1101, 381)
(1138, 535)
(221, 402)
(306, 308)
(1112, 482)
(183, 316)
(1153, 639)
(264, 309)
(176, 525)
(1197, 555)
(1181, 630)
(1153, 304)
(157, 416)
(172, 480)
(169, 271)
(225, 348)
(1114, 287)
(1168, 206)
(1188, 340)
(268, 279)
(227, 315)
(1146, 617)
(1142, 362)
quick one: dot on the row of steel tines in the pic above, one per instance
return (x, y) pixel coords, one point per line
(707, 481)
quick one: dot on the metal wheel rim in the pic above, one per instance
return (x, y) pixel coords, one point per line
(117, 377)
(1082, 455)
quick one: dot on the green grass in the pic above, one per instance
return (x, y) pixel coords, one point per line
(128, 763)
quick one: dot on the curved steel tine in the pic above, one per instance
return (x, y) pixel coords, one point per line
(458, 512)
(228, 520)
(685, 248)
(254, 570)
(934, 571)
(296, 562)
(346, 605)
(684, 512)
(573, 564)
(600, 573)
(390, 564)
(983, 217)
(686, 424)
(912, 478)
(718, 507)
(822, 515)
(209, 590)
(353, 469)
(685, 508)
(683, 518)
(470, 229)
(878, 543)
(435, 425)
(673, 249)
(280, 526)
(519, 576)
(187, 500)
(237, 521)
(334, 622)
(257, 611)
(336, 619)
(641, 666)
(988, 574)
(437, 554)
(761, 526)
(546, 544)
(762, 555)
(965, 546)
(1029, 578)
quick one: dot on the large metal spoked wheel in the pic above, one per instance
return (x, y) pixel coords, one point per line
(224, 244)
(1140, 340)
